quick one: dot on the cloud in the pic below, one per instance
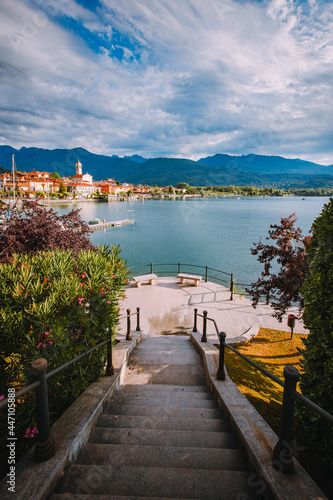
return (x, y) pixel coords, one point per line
(156, 78)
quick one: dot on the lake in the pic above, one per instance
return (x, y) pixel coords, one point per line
(217, 232)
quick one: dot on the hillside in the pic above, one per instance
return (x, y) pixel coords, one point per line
(250, 170)
(267, 164)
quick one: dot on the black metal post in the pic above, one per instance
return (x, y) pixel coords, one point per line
(45, 446)
(138, 319)
(109, 367)
(204, 328)
(291, 323)
(231, 286)
(195, 328)
(206, 275)
(283, 454)
(151, 268)
(128, 335)
(267, 299)
(178, 267)
(220, 375)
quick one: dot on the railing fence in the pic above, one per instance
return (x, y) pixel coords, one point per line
(45, 447)
(283, 451)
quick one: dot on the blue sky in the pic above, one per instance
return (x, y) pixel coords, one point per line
(181, 78)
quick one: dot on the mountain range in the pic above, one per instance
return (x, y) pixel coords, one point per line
(220, 169)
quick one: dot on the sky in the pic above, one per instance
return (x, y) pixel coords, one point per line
(171, 78)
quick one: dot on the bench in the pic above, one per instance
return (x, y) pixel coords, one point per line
(193, 277)
(145, 277)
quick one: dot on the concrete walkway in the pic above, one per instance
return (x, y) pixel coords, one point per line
(168, 306)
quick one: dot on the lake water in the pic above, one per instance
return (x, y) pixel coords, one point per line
(217, 232)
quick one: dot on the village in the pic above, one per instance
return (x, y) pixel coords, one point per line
(80, 186)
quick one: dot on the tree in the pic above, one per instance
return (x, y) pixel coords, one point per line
(317, 376)
(182, 185)
(171, 190)
(288, 251)
(33, 228)
(54, 175)
(62, 188)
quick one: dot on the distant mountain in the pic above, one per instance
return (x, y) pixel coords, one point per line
(221, 169)
(136, 158)
(266, 164)
(63, 161)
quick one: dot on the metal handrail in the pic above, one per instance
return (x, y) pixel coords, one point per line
(282, 455)
(178, 265)
(45, 446)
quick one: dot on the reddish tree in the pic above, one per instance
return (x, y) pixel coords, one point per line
(285, 267)
(33, 228)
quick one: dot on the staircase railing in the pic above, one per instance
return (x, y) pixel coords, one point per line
(283, 451)
(45, 445)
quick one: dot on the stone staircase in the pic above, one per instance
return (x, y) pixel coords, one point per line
(161, 436)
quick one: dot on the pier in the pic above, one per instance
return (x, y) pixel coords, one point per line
(116, 223)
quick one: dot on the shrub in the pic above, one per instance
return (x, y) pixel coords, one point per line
(33, 228)
(317, 377)
(56, 305)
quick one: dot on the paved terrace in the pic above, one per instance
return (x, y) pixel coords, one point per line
(168, 306)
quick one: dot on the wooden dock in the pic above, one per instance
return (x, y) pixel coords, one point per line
(104, 225)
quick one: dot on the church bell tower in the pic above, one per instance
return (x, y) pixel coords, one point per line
(78, 166)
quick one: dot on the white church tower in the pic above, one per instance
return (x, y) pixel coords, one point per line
(78, 166)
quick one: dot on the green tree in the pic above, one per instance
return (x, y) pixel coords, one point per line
(182, 185)
(171, 190)
(317, 377)
(62, 188)
(54, 175)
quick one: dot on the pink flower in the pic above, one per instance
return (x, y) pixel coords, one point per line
(127, 281)
(47, 334)
(2, 397)
(39, 344)
(30, 433)
(80, 300)
(108, 301)
(51, 343)
(83, 275)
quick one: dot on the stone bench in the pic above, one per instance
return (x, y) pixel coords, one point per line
(144, 278)
(193, 277)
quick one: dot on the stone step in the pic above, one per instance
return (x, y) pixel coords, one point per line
(158, 422)
(155, 411)
(163, 389)
(156, 481)
(176, 341)
(195, 439)
(168, 395)
(163, 456)
(185, 375)
(167, 402)
(69, 496)
(164, 356)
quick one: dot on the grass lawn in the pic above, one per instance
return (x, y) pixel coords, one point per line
(272, 349)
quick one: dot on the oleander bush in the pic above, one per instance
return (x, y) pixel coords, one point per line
(56, 305)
